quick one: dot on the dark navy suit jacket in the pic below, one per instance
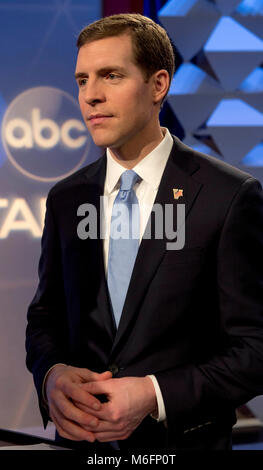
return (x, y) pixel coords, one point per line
(193, 317)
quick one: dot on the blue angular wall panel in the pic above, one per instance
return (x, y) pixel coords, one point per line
(189, 24)
(227, 6)
(192, 88)
(224, 40)
(233, 52)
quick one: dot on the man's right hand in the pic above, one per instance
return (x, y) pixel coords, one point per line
(63, 391)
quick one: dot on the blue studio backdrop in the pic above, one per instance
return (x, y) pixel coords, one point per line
(43, 139)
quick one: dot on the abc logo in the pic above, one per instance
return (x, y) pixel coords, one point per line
(43, 134)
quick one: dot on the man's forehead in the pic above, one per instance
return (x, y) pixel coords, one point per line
(123, 41)
(106, 52)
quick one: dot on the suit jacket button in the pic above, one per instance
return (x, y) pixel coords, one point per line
(114, 369)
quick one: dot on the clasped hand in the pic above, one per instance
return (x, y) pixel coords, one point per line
(79, 415)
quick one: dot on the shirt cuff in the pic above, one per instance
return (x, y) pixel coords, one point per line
(44, 397)
(161, 413)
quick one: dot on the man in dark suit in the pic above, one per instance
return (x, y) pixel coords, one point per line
(167, 369)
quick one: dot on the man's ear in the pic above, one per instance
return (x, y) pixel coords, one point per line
(161, 82)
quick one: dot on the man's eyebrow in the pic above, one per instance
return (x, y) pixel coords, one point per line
(80, 75)
(101, 71)
(111, 68)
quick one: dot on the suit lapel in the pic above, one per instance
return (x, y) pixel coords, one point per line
(177, 175)
(92, 190)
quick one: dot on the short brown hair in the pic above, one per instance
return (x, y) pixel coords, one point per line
(152, 47)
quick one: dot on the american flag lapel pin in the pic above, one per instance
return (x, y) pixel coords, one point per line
(178, 193)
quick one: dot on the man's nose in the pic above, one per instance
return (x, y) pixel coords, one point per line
(93, 93)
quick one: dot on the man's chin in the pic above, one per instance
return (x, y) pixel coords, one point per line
(103, 142)
(101, 138)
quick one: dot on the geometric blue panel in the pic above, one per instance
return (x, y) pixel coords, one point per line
(189, 23)
(176, 8)
(234, 112)
(254, 82)
(255, 100)
(251, 22)
(252, 89)
(230, 36)
(190, 79)
(235, 143)
(199, 145)
(236, 128)
(227, 6)
(193, 89)
(254, 157)
(250, 7)
(233, 52)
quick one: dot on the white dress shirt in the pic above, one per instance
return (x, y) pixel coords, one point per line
(150, 169)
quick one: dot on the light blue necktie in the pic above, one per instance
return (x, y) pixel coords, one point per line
(124, 241)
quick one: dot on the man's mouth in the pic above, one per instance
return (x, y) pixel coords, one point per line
(98, 118)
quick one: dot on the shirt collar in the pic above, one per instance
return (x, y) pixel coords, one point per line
(150, 168)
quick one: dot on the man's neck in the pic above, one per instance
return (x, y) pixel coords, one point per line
(132, 153)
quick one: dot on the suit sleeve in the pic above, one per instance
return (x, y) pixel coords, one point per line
(46, 333)
(197, 393)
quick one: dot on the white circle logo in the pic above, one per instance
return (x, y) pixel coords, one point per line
(43, 134)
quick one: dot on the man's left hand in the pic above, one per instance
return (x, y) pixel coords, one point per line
(130, 400)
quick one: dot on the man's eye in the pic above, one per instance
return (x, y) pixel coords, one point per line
(112, 76)
(82, 82)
